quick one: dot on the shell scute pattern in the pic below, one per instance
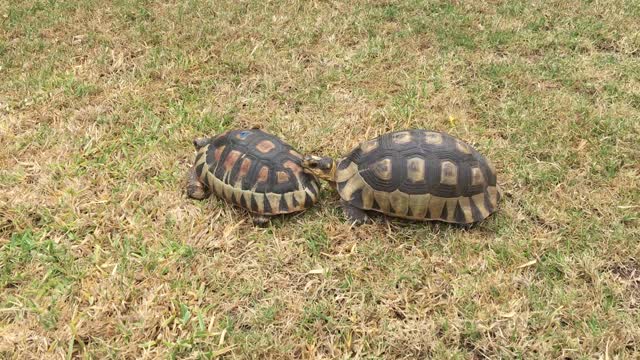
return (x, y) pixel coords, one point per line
(256, 171)
(420, 175)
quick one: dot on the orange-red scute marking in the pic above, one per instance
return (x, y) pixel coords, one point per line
(263, 175)
(283, 177)
(231, 159)
(218, 153)
(292, 166)
(265, 146)
(244, 167)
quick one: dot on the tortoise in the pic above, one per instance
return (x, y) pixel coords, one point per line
(412, 174)
(253, 170)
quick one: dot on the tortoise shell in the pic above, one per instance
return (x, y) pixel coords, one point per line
(419, 175)
(256, 171)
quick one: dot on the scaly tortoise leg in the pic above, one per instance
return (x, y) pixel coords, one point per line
(353, 214)
(195, 188)
(260, 220)
(468, 226)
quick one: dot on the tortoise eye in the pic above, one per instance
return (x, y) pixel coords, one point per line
(310, 162)
(243, 135)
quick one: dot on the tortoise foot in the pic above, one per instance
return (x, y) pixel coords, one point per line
(260, 220)
(195, 188)
(354, 215)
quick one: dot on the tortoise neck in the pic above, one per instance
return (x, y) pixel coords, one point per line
(332, 172)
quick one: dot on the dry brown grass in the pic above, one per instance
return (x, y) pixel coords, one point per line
(102, 256)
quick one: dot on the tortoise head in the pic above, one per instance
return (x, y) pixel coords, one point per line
(201, 142)
(322, 167)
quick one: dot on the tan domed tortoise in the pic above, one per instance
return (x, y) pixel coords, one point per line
(253, 170)
(414, 174)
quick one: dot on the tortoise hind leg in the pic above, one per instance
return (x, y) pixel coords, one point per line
(195, 188)
(353, 214)
(260, 220)
(467, 226)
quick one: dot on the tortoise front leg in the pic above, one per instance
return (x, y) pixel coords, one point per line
(195, 188)
(353, 214)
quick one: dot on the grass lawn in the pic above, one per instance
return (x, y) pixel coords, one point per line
(103, 257)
